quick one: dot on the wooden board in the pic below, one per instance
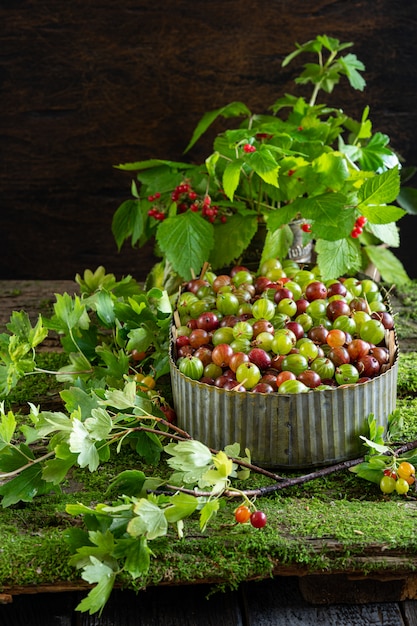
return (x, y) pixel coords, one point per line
(276, 602)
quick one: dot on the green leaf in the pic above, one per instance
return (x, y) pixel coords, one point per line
(277, 243)
(188, 455)
(331, 220)
(82, 443)
(387, 233)
(264, 165)
(231, 177)
(99, 425)
(105, 577)
(55, 470)
(150, 520)
(138, 559)
(127, 222)
(25, 486)
(381, 189)
(104, 308)
(208, 511)
(186, 240)
(407, 199)
(381, 214)
(182, 505)
(7, 427)
(76, 398)
(234, 109)
(232, 239)
(70, 312)
(367, 471)
(336, 258)
(389, 266)
(351, 66)
(128, 482)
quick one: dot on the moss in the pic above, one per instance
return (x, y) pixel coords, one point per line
(335, 523)
(38, 387)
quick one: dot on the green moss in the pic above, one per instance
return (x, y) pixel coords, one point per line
(335, 523)
(38, 387)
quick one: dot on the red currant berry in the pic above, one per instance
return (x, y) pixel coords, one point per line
(193, 195)
(356, 232)
(258, 519)
(306, 228)
(248, 148)
(361, 221)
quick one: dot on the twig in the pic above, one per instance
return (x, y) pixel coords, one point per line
(289, 482)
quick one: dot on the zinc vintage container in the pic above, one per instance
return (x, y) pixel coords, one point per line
(293, 431)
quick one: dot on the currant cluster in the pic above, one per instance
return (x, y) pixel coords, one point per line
(281, 330)
(187, 199)
(398, 477)
(358, 228)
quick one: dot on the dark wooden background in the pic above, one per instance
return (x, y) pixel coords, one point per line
(89, 84)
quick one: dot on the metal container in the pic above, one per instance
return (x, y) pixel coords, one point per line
(293, 431)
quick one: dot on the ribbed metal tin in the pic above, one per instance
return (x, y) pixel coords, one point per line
(293, 431)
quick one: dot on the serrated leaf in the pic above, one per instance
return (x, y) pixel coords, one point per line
(138, 558)
(186, 240)
(81, 443)
(332, 220)
(336, 258)
(97, 598)
(188, 455)
(70, 312)
(76, 398)
(263, 163)
(149, 520)
(232, 239)
(277, 243)
(380, 189)
(99, 425)
(182, 505)
(121, 399)
(351, 68)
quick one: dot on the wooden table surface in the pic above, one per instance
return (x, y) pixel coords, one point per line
(328, 600)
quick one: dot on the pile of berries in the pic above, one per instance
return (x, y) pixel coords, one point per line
(282, 330)
(187, 199)
(398, 478)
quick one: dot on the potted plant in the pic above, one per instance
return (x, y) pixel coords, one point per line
(303, 161)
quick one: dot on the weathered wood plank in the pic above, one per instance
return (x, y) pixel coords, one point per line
(410, 613)
(176, 606)
(39, 610)
(278, 602)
